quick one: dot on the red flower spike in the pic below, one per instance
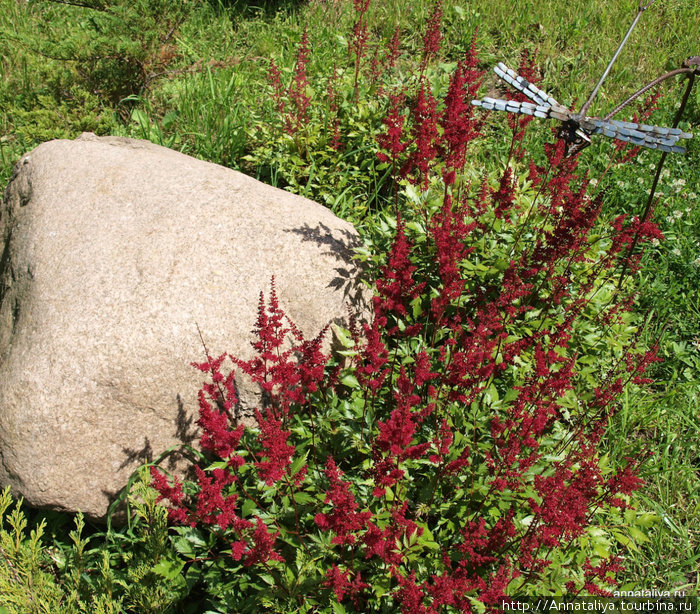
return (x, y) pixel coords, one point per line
(344, 520)
(263, 546)
(273, 440)
(433, 35)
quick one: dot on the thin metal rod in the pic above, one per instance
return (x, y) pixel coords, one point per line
(640, 10)
(657, 176)
(646, 88)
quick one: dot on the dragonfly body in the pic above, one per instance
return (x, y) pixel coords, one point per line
(577, 128)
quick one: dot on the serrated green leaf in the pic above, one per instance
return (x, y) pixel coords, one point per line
(303, 498)
(192, 535)
(184, 547)
(338, 608)
(267, 579)
(169, 569)
(247, 508)
(298, 463)
(637, 535)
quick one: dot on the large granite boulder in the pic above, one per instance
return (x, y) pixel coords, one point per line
(114, 252)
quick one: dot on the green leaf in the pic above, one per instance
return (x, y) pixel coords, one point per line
(298, 463)
(338, 607)
(416, 307)
(247, 507)
(303, 498)
(350, 381)
(647, 520)
(343, 336)
(624, 540)
(192, 535)
(169, 569)
(637, 535)
(267, 579)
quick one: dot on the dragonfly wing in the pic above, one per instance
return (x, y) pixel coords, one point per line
(643, 135)
(526, 108)
(523, 85)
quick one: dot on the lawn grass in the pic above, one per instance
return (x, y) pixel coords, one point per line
(212, 101)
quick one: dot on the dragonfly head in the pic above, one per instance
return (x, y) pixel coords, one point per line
(576, 138)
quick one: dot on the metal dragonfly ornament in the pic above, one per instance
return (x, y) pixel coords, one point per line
(578, 127)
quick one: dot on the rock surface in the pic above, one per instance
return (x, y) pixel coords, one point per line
(113, 252)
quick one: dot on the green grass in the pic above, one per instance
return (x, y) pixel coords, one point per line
(211, 100)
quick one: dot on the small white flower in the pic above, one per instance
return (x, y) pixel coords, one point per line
(676, 252)
(678, 214)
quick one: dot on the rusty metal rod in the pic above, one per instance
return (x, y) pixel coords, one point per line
(646, 88)
(657, 176)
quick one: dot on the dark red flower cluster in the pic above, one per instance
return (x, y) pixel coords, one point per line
(434, 134)
(460, 125)
(344, 520)
(397, 287)
(433, 35)
(295, 116)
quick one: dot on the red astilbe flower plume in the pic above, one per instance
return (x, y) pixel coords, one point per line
(263, 546)
(504, 197)
(177, 513)
(574, 217)
(410, 595)
(217, 412)
(625, 482)
(344, 520)
(391, 139)
(295, 116)
(634, 233)
(300, 83)
(385, 543)
(372, 369)
(566, 497)
(273, 439)
(425, 136)
(339, 581)
(396, 433)
(450, 233)
(433, 35)
(396, 286)
(460, 125)
(213, 506)
(285, 375)
(518, 123)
